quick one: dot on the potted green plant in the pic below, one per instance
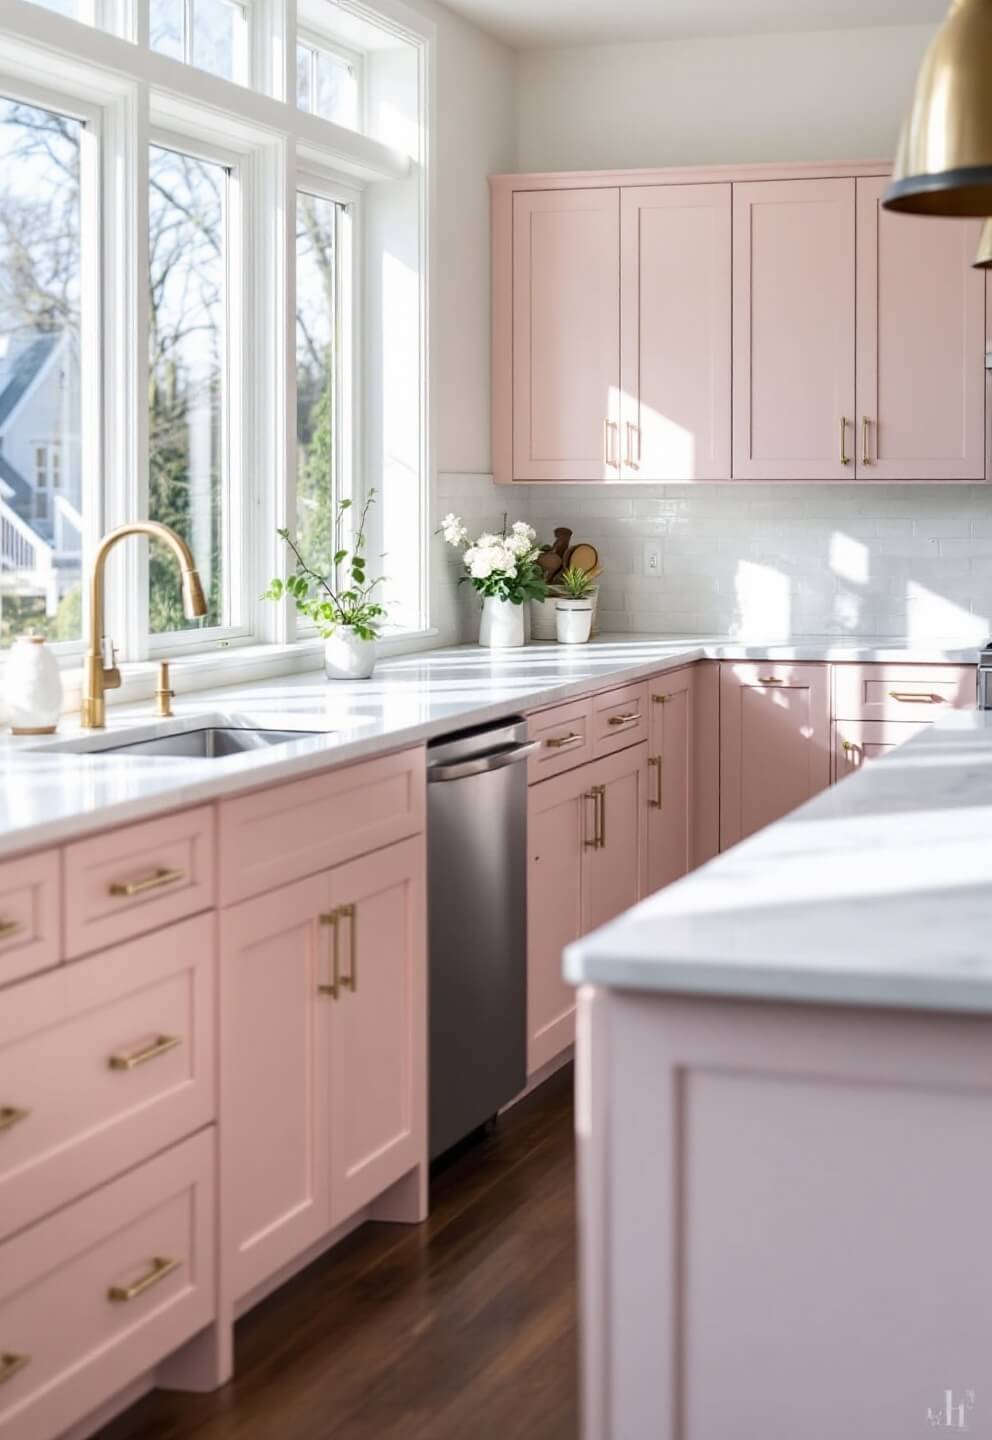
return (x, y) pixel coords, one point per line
(342, 604)
(573, 606)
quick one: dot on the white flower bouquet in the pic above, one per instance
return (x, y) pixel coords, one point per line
(499, 567)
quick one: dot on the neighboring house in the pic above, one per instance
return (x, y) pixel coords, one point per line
(40, 470)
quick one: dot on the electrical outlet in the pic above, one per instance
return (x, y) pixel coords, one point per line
(652, 557)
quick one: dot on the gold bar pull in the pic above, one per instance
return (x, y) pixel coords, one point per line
(660, 699)
(161, 1045)
(906, 697)
(601, 815)
(11, 1365)
(160, 1268)
(770, 680)
(332, 990)
(865, 446)
(350, 913)
(609, 449)
(9, 928)
(629, 719)
(845, 459)
(592, 795)
(11, 1115)
(558, 742)
(633, 432)
(654, 761)
(126, 889)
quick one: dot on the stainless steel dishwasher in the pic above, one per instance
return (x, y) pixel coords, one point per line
(477, 912)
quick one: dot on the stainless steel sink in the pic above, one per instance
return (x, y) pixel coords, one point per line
(209, 742)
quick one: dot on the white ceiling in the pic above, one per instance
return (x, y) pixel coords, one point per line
(528, 24)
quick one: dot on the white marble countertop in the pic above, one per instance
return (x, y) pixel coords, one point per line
(49, 796)
(877, 892)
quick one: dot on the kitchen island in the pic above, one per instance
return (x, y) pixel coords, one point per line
(784, 1108)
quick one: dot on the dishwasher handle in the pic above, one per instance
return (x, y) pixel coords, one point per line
(482, 764)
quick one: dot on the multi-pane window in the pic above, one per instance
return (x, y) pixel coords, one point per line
(69, 8)
(40, 267)
(328, 83)
(207, 33)
(188, 431)
(317, 351)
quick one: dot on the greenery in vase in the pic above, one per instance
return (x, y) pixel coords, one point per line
(500, 567)
(330, 600)
(574, 584)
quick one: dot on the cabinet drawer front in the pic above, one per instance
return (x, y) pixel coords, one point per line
(102, 1064)
(137, 879)
(30, 915)
(275, 836)
(619, 719)
(902, 692)
(149, 1239)
(565, 734)
(858, 741)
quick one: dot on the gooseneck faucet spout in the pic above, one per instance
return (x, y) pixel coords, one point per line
(101, 673)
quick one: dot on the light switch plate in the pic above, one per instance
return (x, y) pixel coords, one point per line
(652, 557)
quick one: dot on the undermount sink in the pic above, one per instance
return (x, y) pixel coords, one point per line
(210, 742)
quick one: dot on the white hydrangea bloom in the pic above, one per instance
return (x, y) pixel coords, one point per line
(521, 528)
(454, 530)
(479, 562)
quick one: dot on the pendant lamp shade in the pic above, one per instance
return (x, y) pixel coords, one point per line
(983, 260)
(944, 164)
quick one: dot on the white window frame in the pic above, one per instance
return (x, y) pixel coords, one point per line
(319, 41)
(242, 31)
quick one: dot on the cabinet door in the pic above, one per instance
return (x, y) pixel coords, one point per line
(378, 1076)
(794, 321)
(566, 335)
(858, 741)
(774, 743)
(921, 345)
(670, 778)
(560, 823)
(275, 956)
(675, 266)
(614, 873)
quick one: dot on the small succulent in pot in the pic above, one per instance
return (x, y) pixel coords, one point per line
(574, 590)
(574, 584)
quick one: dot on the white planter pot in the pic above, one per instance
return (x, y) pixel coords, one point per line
(347, 656)
(573, 621)
(33, 687)
(502, 624)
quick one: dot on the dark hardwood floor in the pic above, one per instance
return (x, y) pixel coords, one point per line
(463, 1328)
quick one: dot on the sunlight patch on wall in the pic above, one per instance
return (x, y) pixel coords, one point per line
(764, 606)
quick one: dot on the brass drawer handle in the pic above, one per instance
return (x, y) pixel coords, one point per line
(127, 888)
(11, 1365)
(161, 1045)
(865, 432)
(906, 697)
(845, 459)
(11, 1115)
(558, 742)
(350, 913)
(660, 699)
(160, 1269)
(9, 928)
(331, 918)
(596, 843)
(629, 719)
(770, 680)
(654, 761)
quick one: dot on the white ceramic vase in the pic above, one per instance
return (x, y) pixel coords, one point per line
(502, 624)
(33, 687)
(573, 621)
(347, 656)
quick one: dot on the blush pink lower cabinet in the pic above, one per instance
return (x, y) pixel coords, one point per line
(684, 765)
(774, 743)
(587, 861)
(857, 741)
(323, 1058)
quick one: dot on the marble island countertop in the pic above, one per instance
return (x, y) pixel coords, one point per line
(49, 795)
(877, 892)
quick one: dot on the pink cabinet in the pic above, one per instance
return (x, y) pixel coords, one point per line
(564, 398)
(323, 1074)
(921, 345)
(857, 741)
(675, 332)
(30, 915)
(671, 827)
(794, 316)
(615, 862)
(774, 743)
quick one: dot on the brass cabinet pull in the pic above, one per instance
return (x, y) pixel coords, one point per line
(350, 913)
(629, 719)
(161, 878)
(558, 742)
(332, 919)
(845, 459)
(160, 1268)
(11, 1115)
(609, 449)
(11, 1365)
(865, 432)
(770, 680)
(850, 748)
(161, 1045)
(633, 432)
(654, 761)
(601, 791)
(906, 697)
(660, 699)
(593, 795)
(9, 928)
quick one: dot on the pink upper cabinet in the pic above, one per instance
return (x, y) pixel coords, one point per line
(675, 250)
(921, 345)
(794, 307)
(566, 335)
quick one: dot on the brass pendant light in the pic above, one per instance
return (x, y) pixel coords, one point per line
(983, 260)
(944, 164)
